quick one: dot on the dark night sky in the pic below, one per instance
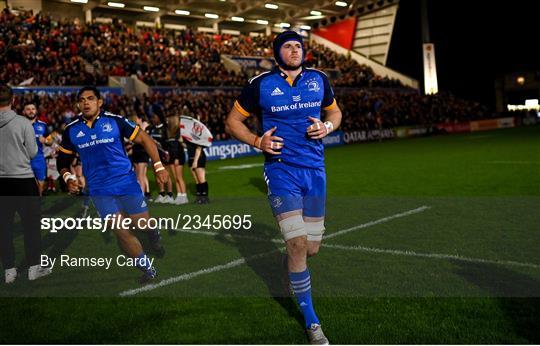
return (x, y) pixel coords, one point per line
(475, 40)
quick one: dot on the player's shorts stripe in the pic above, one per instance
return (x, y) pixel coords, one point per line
(134, 134)
(333, 105)
(65, 151)
(241, 109)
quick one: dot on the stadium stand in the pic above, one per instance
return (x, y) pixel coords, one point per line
(37, 50)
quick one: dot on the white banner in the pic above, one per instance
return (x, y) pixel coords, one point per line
(430, 69)
(192, 130)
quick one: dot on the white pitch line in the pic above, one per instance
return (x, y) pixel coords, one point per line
(376, 222)
(246, 166)
(189, 276)
(228, 235)
(432, 255)
(240, 261)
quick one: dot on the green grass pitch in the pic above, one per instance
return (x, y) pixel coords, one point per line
(430, 240)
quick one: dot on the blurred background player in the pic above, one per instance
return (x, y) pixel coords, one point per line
(140, 158)
(289, 100)
(76, 169)
(39, 166)
(98, 137)
(197, 136)
(197, 164)
(177, 158)
(50, 153)
(158, 132)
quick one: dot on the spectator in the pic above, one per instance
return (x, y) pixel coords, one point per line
(19, 192)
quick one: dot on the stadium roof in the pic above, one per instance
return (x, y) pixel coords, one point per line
(230, 13)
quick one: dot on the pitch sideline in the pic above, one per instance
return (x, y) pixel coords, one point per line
(431, 255)
(240, 261)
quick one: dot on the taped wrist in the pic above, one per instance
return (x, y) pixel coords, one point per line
(329, 126)
(69, 176)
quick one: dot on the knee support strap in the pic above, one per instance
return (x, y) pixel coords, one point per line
(292, 227)
(315, 230)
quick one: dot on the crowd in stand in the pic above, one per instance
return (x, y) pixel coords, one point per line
(37, 50)
(362, 110)
(373, 108)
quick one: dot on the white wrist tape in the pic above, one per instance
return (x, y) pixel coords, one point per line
(69, 176)
(329, 126)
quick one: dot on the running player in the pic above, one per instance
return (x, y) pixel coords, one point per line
(38, 164)
(98, 137)
(289, 101)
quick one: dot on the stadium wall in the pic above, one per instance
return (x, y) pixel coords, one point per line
(60, 10)
(26, 5)
(230, 149)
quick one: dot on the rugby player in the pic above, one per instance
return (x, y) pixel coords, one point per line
(98, 137)
(158, 132)
(38, 164)
(289, 101)
(177, 158)
(197, 164)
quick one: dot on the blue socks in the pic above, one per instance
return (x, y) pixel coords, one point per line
(143, 262)
(301, 284)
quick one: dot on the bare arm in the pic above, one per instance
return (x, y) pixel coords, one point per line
(151, 149)
(234, 125)
(334, 116)
(63, 164)
(148, 144)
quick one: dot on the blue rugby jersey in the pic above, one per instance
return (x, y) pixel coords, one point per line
(100, 145)
(279, 101)
(40, 129)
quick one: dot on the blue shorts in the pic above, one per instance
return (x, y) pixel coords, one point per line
(130, 203)
(296, 188)
(40, 169)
